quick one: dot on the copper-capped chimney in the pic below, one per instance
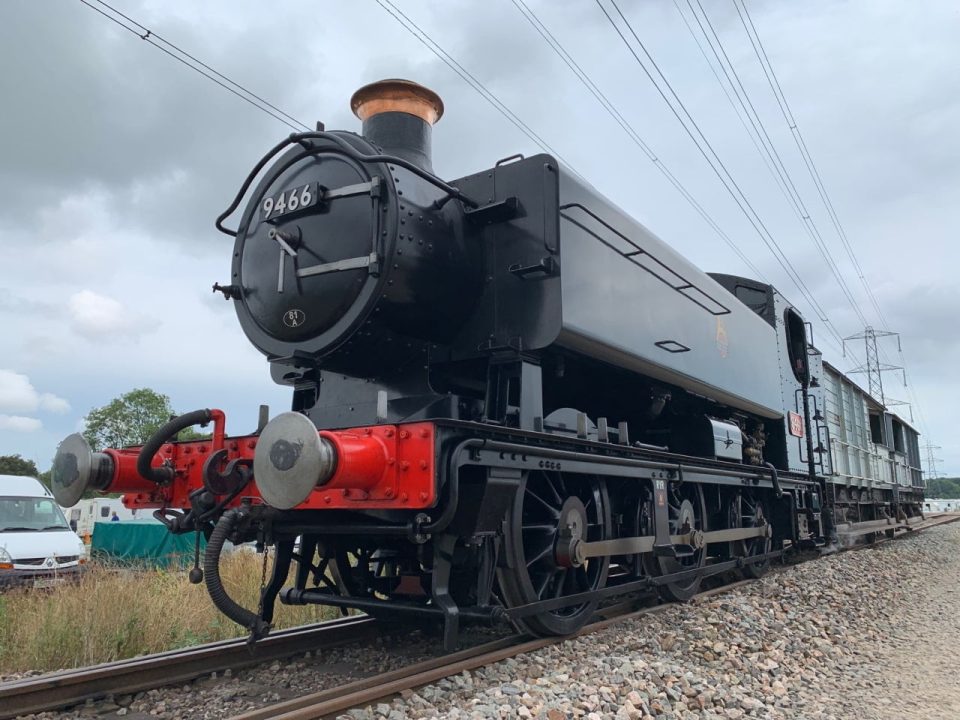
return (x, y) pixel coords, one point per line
(398, 116)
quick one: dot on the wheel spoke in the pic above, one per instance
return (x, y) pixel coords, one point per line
(539, 527)
(544, 582)
(547, 550)
(554, 511)
(558, 590)
(552, 487)
(562, 484)
(581, 580)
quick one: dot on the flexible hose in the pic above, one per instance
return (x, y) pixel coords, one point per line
(163, 475)
(211, 574)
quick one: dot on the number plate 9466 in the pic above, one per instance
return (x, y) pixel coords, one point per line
(289, 201)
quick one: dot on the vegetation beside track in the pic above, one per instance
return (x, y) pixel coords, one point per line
(116, 613)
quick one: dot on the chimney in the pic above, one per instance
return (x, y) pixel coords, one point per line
(398, 116)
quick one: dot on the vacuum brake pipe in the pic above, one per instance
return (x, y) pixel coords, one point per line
(164, 475)
(225, 526)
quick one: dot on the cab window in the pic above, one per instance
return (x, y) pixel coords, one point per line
(797, 345)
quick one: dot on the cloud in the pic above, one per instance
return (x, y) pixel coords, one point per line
(19, 423)
(17, 394)
(128, 207)
(96, 316)
(54, 404)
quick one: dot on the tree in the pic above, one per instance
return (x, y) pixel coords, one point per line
(943, 488)
(16, 465)
(127, 420)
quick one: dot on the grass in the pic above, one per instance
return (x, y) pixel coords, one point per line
(112, 613)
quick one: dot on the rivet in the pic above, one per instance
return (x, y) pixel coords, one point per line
(424, 464)
(391, 461)
(251, 444)
(423, 495)
(388, 432)
(404, 434)
(404, 496)
(423, 432)
(346, 492)
(404, 465)
(326, 499)
(388, 492)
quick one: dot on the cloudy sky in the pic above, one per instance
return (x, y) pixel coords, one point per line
(116, 159)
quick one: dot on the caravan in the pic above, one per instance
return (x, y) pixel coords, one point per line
(88, 512)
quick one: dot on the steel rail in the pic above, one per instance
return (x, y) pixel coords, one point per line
(363, 692)
(71, 687)
(333, 701)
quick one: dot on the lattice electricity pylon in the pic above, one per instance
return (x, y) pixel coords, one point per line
(890, 402)
(873, 367)
(932, 461)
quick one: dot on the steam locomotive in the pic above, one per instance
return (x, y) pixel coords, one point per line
(510, 400)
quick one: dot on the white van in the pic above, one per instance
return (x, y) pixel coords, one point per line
(37, 546)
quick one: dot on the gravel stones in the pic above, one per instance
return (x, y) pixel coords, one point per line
(222, 695)
(829, 639)
(864, 634)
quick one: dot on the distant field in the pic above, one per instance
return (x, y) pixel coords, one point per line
(112, 614)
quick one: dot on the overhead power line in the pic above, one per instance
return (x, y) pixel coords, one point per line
(765, 146)
(747, 21)
(691, 127)
(628, 128)
(182, 56)
(761, 53)
(451, 62)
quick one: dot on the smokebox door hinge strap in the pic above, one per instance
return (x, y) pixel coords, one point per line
(368, 188)
(339, 265)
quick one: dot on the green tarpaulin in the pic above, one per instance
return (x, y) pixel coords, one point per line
(142, 542)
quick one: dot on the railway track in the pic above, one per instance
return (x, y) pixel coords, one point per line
(363, 692)
(329, 703)
(71, 687)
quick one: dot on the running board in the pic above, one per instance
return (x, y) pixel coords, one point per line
(873, 526)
